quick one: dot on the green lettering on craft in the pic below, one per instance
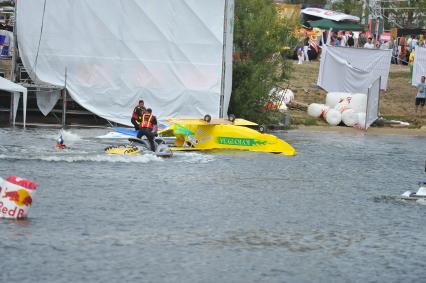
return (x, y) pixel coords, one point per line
(239, 141)
(181, 130)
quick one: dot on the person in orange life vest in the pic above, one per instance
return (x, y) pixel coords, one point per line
(137, 114)
(148, 127)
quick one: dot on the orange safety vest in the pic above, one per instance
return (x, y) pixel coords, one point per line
(146, 121)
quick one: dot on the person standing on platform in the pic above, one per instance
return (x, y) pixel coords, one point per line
(137, 114)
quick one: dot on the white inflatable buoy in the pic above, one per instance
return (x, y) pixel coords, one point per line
(359, 102)
(349, 117)
(332, 98)
(343, 100)
(333, 117)
(317, 110)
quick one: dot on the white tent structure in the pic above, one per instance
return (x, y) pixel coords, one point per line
(16, 90)
(175, 55)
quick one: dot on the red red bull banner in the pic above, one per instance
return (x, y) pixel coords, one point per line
(16, 197)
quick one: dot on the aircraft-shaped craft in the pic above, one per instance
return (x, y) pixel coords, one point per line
(207, 134)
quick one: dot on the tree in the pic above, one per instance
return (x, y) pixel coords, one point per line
(352, 7)
(259, 37)
(407, 14)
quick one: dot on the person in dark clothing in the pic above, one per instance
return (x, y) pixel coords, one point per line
(137, 114)
(148, 127)
(351, 41)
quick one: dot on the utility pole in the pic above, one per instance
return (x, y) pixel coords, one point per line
(375, 18)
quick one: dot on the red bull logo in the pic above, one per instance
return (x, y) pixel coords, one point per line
(20, 197)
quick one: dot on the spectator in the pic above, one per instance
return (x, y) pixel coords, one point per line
(395, 52)
(421, 94)
(361, 40)
(411, 63)
(351, 41)
(403, 51)
(336, 40)
(343, 40)
(369, 43)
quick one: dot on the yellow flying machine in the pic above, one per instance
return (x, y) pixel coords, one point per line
(207, 134)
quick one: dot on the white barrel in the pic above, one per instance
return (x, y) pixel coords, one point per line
(333, 117)
(349, 117)
(317, 110)
(332, 98)
(16, 197)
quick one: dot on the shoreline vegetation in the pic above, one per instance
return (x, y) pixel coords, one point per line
(396, 103)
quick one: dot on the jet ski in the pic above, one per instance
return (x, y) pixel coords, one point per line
(161, 148)
(420, 195)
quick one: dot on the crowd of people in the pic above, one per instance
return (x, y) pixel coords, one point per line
(402, 47)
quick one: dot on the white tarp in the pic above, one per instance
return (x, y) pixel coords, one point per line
(419, 68)
(373, 103)
(16, 90)
(373, 61)
(337, 75)
(169, 53)
(327, 14)
(46, 100)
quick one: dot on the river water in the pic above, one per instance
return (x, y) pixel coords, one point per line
(329, 214)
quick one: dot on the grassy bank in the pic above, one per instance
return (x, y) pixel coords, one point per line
(395, 103)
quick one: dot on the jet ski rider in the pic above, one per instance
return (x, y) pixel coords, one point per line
(148, 127)
(137, 114)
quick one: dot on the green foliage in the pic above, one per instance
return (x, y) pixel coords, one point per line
(352, 7)
(407, 14)
(259, 39)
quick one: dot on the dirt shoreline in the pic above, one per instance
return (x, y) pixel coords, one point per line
(371, 131)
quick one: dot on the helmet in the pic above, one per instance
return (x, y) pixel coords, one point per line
(60, 140)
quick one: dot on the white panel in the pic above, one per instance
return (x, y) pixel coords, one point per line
(167, 52)
(375, 61)
(419, 68)
(337, 75)
(373, 103)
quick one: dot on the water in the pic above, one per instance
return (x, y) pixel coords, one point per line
(329, 214)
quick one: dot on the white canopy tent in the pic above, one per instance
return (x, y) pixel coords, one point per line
(327, 14)
(16, 90)
(175, 55)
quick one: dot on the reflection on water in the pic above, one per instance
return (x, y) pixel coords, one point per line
(331, 213)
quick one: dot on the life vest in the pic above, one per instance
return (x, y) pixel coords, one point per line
(137, 113)
(146, 121)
